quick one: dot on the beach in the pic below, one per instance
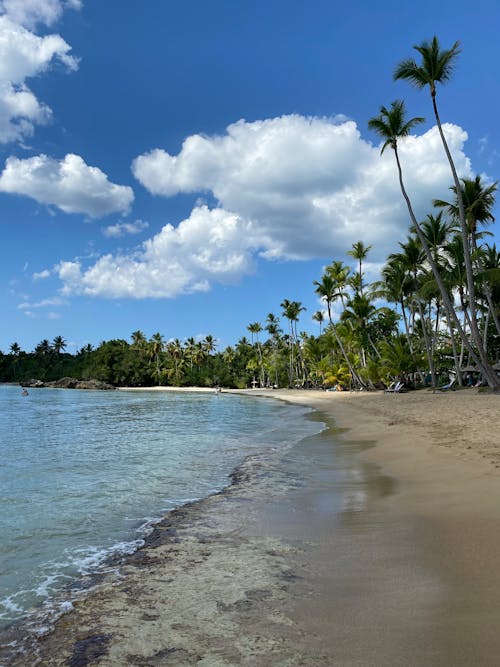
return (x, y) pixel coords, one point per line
(274, 571)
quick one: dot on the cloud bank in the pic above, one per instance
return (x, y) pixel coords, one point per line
(288, 188)
(69, 184)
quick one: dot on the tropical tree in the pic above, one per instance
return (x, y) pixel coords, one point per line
(359, 252)
(256, 328)
(15, 349)
(58, 344)
(319, 316)
(392, 126)
(155, 348)
(436, 66)
(328, 290)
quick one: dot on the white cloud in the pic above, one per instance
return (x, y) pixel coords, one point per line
(69, 184)
(23, 55)
(31, 12)
(41, 275)
(125, 229)
(211, 245)
(287, 188)
(310, 187)
(53, 301)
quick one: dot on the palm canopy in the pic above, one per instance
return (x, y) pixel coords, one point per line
(478, 200)
(391, 124)
(436, 66)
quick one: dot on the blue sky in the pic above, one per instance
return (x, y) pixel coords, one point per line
(184, 167)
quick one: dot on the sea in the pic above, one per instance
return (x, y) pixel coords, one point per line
(85, 475)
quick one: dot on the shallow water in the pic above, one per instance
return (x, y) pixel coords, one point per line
(83, 474)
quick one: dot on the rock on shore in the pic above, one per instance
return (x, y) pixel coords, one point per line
(69, 383)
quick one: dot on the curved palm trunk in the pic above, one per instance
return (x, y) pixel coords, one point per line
(353, 373)
(488, 373)
(428, 344)
(493, 380)
(492, 308)
(408, 340)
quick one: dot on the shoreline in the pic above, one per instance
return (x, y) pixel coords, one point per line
(431, 588)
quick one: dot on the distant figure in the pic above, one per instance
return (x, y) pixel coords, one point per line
(24, 392)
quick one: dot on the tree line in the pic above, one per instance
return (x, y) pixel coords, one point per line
(435, 310)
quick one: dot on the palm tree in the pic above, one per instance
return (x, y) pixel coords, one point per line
(489, 276)
(359, 251)
(15, 349)
(478, 200)
(292, 310)
(340, 274)
(256, 328)
(392, 125)
(155, 347)
(43, 348)
(327, 289)
(319, 316)
(437, 67)
(209, 344)
(58, 344)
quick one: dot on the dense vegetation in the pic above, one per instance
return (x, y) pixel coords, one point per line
(441, 296)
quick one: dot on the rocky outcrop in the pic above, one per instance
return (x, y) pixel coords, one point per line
(70, 383)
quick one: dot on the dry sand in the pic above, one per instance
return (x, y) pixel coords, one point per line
(373, 544)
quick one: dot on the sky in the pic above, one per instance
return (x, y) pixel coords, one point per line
(183, 168)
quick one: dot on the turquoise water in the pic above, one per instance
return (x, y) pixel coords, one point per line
(83, 474)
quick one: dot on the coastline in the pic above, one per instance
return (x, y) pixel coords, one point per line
(260, 575)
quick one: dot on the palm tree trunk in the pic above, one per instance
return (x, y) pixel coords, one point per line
(428, 345)
(488, 373)
(353, 373)
(492, 308)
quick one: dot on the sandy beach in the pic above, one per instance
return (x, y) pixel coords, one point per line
(375, 543)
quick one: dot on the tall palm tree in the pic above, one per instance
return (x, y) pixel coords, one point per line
(327, 289)
(437, 67)
(478, 200)
(155, 347)
(256, 328)
(391, 125)
(340, 274)
(359, 251)
(319, 316)
(291, 311)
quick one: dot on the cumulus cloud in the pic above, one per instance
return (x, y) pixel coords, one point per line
(309, 186)
(69, 184)
(125, 229)
(24, 54)
(288, 188)
(211, 245)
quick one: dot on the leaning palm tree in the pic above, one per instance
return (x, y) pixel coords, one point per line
(479, 200)
(437, 67)
(327, 289)
(392, 125)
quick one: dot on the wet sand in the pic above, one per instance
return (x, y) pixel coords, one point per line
(375, 544)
